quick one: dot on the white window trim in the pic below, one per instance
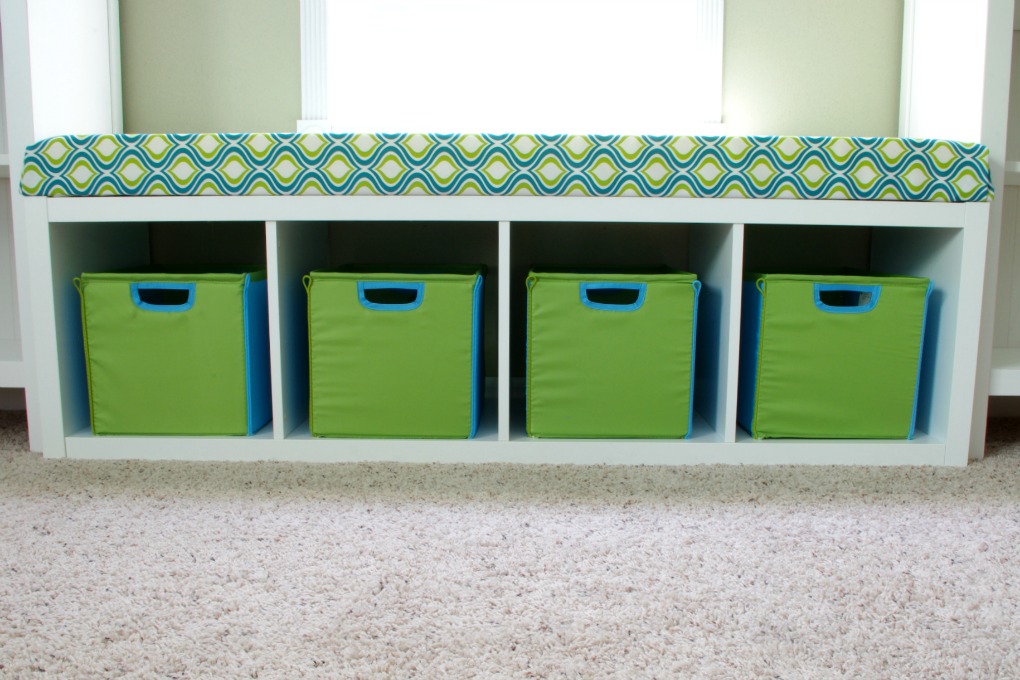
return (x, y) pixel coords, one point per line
(711, 14)
(314, 69)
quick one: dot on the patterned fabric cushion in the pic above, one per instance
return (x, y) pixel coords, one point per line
(288, 164)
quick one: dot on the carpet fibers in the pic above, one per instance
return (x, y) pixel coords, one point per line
(275, 570)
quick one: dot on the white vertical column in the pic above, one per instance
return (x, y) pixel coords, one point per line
(49, 435)
(959, 395)
(734, 250)
(275, 360)
(116, 94)
(966, 438)
(503, 371)
(995, 117)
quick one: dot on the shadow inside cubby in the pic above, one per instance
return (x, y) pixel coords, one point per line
(207, 243)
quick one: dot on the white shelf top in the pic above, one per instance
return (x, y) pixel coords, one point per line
(511, 208)
(1005, 380)
(5, 165)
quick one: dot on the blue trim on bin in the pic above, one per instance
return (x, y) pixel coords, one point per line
(477, 369)
(752, 302)
(256, 343)
(874, 290)
(920, 357)
(159, 285)
(418, 288)
(694, 348)
(641, 288)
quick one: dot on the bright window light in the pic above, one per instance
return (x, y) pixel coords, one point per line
(536, 66)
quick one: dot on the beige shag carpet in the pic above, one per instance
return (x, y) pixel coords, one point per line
(216, 570)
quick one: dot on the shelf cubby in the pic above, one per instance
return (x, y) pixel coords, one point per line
(101, 247)
(301, 247)
(708, 250)
(926, 252)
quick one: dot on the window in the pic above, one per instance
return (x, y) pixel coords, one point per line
(537, 66)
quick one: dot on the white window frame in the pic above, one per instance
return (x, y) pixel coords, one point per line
(315, 82)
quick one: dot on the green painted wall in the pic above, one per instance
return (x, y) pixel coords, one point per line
(790, 66)
(210, 65)
(812, 67)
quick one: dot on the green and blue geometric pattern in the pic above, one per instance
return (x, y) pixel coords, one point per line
(291, 164)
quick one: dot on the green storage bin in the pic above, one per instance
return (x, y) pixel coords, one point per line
(831, 356)
(176, 353)
(395, 353)
(611, 355)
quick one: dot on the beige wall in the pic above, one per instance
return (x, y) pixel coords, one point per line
(210, 65)
(805, 67)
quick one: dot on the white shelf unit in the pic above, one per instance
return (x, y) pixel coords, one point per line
(716, 238)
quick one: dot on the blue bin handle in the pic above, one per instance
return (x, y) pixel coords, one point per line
(865, 301)
(613, 285)
(154, 304)
(417, 288)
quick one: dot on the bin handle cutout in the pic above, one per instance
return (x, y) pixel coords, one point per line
(158, 296)
(613, 296)
(842, 298)
(390, 296)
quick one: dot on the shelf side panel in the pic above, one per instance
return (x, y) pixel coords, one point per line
(716, 258)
